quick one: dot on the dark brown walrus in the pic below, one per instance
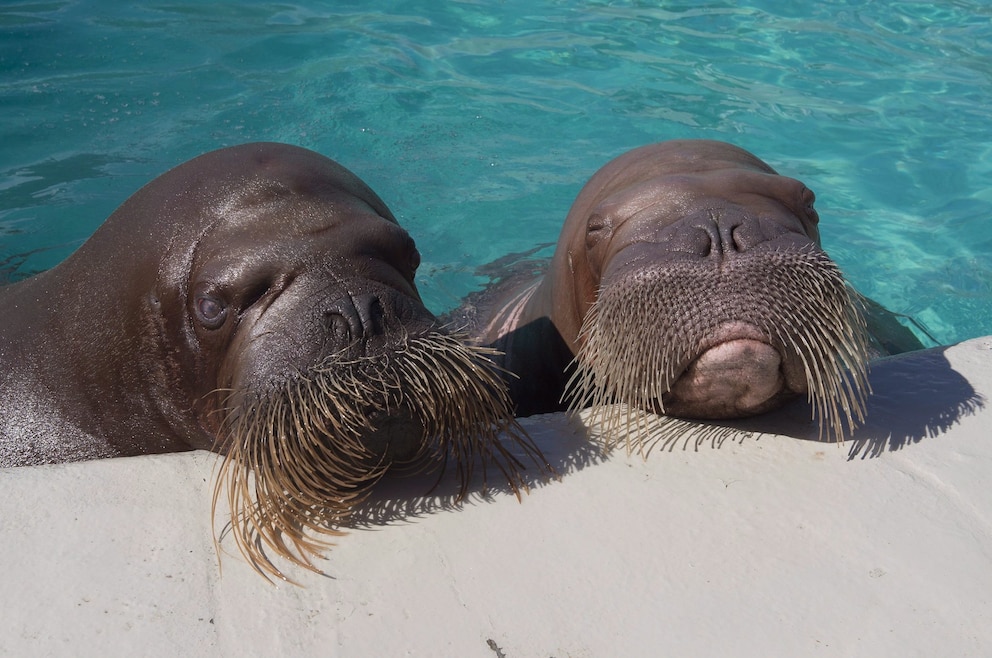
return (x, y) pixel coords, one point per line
(259, 301)
(688, 280)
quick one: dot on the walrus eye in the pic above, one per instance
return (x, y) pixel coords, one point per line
(598, 228)
(414, 261)
(809, 199)
(210, 311)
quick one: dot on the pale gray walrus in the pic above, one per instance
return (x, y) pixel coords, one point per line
(258, 301)
(688, 280)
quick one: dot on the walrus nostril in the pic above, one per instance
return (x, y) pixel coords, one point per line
(736, 237)
(711, 235)
(354, 319)
(342, 324)
(371, 315)
(716, 233)
(699, 242)
(338, 329)
(729, 232)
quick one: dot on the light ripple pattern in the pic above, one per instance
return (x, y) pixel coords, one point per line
(480, 120)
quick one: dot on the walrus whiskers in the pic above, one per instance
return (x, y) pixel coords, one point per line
(665, 433)
(803, 303)
(295, 462)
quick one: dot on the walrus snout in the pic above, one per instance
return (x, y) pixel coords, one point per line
(368, 323)
(344, 324)
(301, 455)
(354, 318)
(310, 323)
(710, 235)
(737, 373)
(706, 339)
(396, 437)
(714, 232)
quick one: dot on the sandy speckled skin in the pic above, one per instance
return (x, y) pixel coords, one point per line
(246, 263)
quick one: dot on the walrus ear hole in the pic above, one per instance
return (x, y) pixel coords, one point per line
(211, 311)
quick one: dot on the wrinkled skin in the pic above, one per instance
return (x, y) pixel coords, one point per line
(236, 269)
(696, 206)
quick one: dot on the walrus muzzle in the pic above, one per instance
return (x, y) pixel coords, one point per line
(301, 454)
(697, 340)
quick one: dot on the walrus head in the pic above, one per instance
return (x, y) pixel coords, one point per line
(314, 361)
(702, 292)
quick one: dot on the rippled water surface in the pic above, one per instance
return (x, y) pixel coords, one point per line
(479, 121)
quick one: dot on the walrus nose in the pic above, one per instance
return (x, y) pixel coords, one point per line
(353, 319)
(723, 233)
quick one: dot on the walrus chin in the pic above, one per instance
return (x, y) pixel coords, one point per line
(664, 339)
(300, 455)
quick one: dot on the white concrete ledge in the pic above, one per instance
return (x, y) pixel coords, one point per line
(743, 543)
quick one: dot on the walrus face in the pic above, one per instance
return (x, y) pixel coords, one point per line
(334, 373)
(710, 298)
(317, 365)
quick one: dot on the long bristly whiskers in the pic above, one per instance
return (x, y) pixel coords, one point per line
(642, 331)
(665, 433)
(295, 464)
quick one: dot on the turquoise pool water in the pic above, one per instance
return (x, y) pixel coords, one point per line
(478, 121)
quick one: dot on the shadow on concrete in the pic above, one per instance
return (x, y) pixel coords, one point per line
(396, 499)
(915, 397)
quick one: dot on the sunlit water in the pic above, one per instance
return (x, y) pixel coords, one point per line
(479, 121)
